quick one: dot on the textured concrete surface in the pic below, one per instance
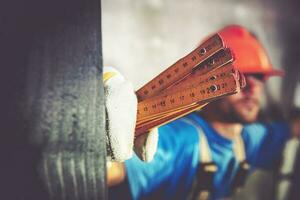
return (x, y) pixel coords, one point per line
(52, 141)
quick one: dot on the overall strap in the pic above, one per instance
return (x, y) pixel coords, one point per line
(239, 148)
(202, 185)
(239, 151)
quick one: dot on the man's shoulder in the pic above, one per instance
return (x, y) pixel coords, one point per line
(180, 130)
(256, 132)
(264, 127)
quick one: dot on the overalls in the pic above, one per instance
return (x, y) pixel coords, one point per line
(202, 185)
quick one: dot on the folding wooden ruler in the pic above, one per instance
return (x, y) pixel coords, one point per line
(205, 74)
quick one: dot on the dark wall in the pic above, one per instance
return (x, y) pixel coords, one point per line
(288, 26)
(52, 139)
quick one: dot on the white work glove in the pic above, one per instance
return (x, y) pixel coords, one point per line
(121, 110)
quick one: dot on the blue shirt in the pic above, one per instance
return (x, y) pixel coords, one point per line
(169, 175)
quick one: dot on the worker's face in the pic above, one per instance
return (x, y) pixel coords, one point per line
(244, 106)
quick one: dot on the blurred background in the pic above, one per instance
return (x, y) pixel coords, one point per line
(142, 38)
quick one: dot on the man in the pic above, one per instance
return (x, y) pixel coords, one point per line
(208, 156)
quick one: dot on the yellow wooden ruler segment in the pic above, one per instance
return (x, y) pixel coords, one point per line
(222, 73)
(203, 75)
(162, 114)
(162, 103)
(160, 119)
(216, 61)
(219, 73)
(197, 79)
(163, 120)
(181, 68)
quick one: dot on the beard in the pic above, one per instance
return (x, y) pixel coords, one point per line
(244, 110)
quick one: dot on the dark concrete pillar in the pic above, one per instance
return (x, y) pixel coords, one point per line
(288, 30)
(52, 139)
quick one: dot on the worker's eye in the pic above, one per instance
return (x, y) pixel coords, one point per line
(258, 76)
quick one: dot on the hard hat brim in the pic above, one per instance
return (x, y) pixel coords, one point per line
(268, 73)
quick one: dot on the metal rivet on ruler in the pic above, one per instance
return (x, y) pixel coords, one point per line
(213, 88)
(211, 62)
(202, 51)
(212, 78)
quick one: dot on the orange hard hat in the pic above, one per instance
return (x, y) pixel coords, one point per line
(250, 56)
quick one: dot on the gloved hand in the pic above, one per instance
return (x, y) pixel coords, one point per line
(121, 110)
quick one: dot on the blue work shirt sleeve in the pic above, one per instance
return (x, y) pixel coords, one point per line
(171, 171)
(265, 143)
